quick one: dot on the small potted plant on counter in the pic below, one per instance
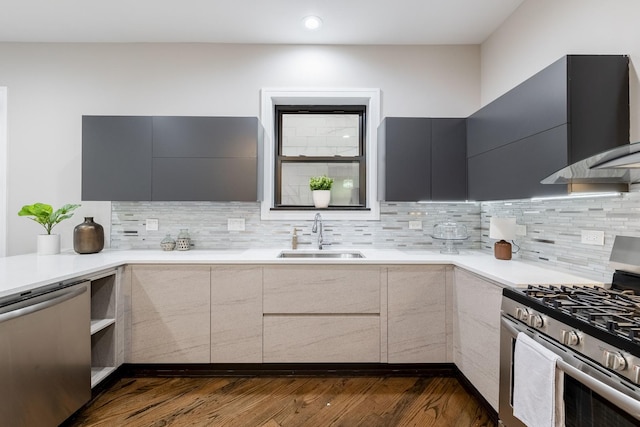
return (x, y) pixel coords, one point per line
(321, 190)
(43, 214)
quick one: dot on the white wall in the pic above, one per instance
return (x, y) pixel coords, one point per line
(53, 85)
(3, 171)
(541, 31)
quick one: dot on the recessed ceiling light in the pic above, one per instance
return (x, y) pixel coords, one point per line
(312, 22)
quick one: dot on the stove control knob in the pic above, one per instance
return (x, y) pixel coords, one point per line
(570, 338)
(614, 360)
(535, 320)
(521, 314)
(636, 374)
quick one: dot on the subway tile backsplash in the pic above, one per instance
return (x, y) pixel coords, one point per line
(553, 227)
(207, 225)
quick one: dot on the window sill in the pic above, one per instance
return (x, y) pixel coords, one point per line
(312, 208)
(333, 213)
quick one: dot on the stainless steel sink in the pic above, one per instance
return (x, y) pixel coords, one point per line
(319, 254)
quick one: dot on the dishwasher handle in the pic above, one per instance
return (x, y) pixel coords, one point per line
(42, 302)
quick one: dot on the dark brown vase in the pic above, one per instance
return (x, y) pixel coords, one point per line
(88, 237)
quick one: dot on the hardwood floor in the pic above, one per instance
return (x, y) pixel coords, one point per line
(284, 401)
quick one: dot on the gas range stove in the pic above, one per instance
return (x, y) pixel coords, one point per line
(610, 314)
(595, 333)
(612, 310)
(600, 323)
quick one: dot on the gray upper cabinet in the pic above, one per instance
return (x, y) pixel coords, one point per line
(422, 159)
(171, 158)
(576, 107)
(116, 158)
(206, 158)
(404, 156)
(448, 159)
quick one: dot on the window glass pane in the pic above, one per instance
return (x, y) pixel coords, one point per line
(320, 135)
(295, 182)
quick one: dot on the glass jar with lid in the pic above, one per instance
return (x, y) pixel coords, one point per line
(168, 244)
(449, 231)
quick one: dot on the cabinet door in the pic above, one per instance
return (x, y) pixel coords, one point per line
(405, 159)
(416, 323)
(448, 159)
(210, 179)
(116, 158)
(535, 105)
(599, 101)
(170, 314)
(515, 170)
(476, 332)
(222, 137)
(236, 314)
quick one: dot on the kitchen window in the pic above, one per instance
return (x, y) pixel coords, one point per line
(320, 140)
(368, 208)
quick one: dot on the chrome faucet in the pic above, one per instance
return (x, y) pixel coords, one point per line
(317, 219)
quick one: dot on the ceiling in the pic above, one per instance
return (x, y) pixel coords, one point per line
(253, 21)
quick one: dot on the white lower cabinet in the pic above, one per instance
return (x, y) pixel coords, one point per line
(417, 314)
(170, 314)
(476, 332)
(326, 314)
(309, 314)
(236, 314)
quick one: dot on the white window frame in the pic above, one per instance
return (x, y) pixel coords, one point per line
(271, 97)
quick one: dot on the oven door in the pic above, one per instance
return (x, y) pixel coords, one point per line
(593, 397)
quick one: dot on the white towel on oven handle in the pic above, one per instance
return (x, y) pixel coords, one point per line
(538, 384)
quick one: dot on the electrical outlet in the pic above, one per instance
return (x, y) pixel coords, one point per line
(415, 225)
(235, 224)
(152, 224)
(521, 230)
(592, 237)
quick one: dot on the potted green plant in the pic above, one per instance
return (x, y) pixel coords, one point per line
(321, 190)
(43, 214)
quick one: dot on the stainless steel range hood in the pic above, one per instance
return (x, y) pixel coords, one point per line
(611, 170)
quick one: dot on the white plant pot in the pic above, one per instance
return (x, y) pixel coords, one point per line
(48, 244)
(321, 198)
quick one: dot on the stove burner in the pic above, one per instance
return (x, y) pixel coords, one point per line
(612, 310)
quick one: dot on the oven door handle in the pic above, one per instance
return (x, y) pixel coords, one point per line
(621, 400)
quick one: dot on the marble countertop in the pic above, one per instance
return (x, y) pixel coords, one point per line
(24, 273)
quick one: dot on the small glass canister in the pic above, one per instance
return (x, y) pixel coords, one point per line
(183, 242)
(168, 244)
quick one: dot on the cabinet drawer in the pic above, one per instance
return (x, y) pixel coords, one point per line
(308, 289)
(321, 339)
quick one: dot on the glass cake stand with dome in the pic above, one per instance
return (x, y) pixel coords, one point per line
(450, 232)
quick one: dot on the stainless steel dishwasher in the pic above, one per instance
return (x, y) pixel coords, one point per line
(45, 355)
